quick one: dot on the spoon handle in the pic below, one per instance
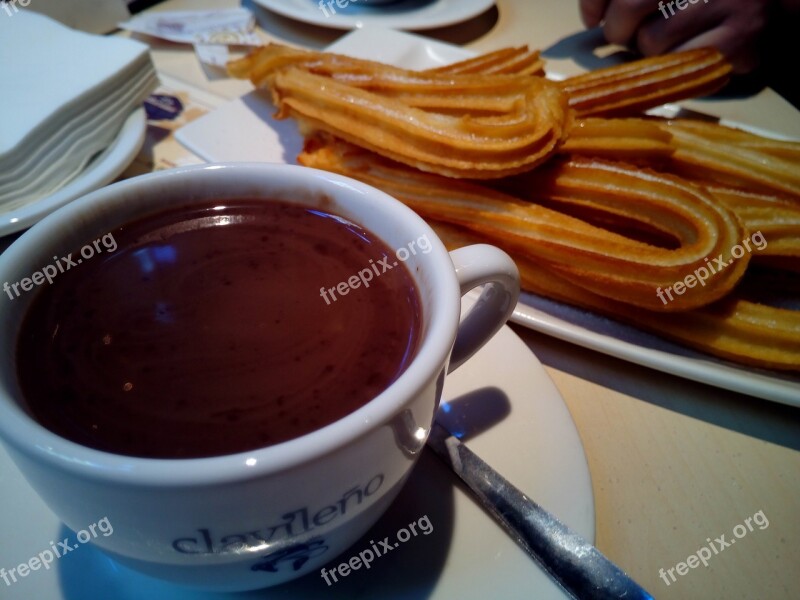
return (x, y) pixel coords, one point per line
(580, 568)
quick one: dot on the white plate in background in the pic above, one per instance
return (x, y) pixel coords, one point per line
(403, 14)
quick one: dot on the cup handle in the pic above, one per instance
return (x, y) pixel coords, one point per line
(476, 265)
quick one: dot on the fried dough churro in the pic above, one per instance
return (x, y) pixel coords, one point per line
(632, 140)
(708, 153)
(264, 62)
(641, 84)
(787, 150)
(452, 124)
(485, 104)
(733, 328)
(777, 220)
(591, 257)
(713, 153)
(456, 146)
(600, 210)
(506, 61)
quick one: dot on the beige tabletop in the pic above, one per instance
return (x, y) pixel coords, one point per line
(674, 464)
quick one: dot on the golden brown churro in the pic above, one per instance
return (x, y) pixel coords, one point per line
(506, 61)
(777, 220)
(744, 139)
(456, 146)
(602, 213)
(494, 126)
(632, 140)
(708, 153)
(732, 328)
(641, 84)
(714, 153)
(591, 257)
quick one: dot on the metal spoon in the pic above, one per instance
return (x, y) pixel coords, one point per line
(580, 568)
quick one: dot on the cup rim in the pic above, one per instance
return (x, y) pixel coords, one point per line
(22, 433)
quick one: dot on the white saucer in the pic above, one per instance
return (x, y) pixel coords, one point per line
(404, 14)
(529, 437)
(101, 170)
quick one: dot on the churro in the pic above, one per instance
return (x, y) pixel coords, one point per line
(641, 84)
(452, 145)
(592, 257)
(601, 213)
(733, 328)
(717, 154)
(785, 149)
(777, 219)
(631, 140)
(459, 125)
(506, 61)
(708, 153)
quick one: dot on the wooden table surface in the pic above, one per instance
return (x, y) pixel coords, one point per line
(673, 463)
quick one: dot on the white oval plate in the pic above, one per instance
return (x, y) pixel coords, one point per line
(628, 343)
(101, 170)
(528, 435)
(405, 14)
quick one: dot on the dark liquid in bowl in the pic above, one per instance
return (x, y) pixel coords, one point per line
(205, 333)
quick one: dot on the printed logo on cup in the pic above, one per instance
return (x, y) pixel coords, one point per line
(295, 523)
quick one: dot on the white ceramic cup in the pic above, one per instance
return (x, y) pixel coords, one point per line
(258, 518)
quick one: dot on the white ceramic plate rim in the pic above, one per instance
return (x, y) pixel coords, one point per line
(589, 330)
(439, 13)
(580, 327)
(101, 170)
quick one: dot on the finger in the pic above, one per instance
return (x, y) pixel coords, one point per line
(624, 17)
(659, 34)
(741, 51)
(735, 33)
(592, 11)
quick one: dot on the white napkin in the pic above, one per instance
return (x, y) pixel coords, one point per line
(49, 70)
(70, 93)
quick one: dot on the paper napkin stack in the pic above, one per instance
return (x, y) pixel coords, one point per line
(65, 96)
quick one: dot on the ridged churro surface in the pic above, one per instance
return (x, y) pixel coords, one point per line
(592, 257)
(650, 221)
(641, 84)
(455, 124)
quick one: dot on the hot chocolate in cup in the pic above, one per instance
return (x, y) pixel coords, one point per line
(271, 509)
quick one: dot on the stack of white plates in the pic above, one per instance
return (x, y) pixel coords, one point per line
(65, 98)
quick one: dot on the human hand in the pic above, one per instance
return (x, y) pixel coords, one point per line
(735, 27)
